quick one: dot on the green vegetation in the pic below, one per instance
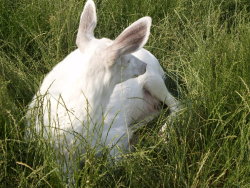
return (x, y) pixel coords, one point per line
(206, 43)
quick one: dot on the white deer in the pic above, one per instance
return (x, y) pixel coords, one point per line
(134, 103)
(70, 103)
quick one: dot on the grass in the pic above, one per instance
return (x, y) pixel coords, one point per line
(206, 43)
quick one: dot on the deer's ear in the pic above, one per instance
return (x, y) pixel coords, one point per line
(87, 25)
(131, 39)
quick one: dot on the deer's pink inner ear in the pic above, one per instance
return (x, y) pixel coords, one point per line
(131, 39)
(87, 25)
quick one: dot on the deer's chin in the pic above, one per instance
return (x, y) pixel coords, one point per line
(135, 76)
(152, 102)
(163, 105)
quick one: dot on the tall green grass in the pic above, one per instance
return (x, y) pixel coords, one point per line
(206, 43)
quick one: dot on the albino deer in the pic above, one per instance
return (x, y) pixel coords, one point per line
(70, 103)
(135, 102)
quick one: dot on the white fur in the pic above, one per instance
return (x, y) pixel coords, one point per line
(70, 103)
(134, 103)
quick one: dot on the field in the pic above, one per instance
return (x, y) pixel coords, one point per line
(205, 44)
